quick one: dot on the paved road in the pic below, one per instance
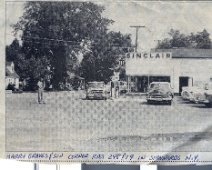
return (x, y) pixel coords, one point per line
(68, 122)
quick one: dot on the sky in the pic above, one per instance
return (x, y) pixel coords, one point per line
(158, 18)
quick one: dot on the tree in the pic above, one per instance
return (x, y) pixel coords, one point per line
(99, 64)
(164, 44)
(178, 40)
(51, 30)
(13, 50)
(30, 69)
(54, 33)
(203, 40)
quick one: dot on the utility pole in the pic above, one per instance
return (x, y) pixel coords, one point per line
(137, 27)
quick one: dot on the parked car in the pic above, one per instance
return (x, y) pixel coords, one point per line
(199, 95)
(160, 92)
(97, 90)
(195, 94)
(208, 100)
(186, 93)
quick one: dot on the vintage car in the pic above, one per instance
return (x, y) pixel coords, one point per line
(208, 98)
(188, 93)
(97, 90)
(199, 95)
(196, 94)
(160, 92)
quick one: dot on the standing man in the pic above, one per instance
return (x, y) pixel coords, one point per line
(41, 87)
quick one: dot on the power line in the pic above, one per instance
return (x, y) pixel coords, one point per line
(50, 39)
(77, 45)
(59, 40)
(39, 42)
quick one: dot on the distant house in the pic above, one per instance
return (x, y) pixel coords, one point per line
(12, 77)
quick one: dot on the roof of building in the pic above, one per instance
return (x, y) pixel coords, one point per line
(11, 74)
(187, 53)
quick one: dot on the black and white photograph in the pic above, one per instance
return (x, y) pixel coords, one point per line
(108, 76)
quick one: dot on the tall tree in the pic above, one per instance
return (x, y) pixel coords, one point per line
(99, 64)
(30, 69)
(178, 39)
(50, 30)
(203, 40)
(13, 50)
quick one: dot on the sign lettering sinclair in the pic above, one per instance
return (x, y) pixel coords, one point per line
(155, 55)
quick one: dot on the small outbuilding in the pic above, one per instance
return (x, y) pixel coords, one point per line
(11, 78)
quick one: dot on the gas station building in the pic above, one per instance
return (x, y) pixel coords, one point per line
(180, 67)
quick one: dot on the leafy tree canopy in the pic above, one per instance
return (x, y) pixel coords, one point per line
(55, 33)
(99, 64)
(179, 40)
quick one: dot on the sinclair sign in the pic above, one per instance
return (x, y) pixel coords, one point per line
(154, 63)
(153, 55)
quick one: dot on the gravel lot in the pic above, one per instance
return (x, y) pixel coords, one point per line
(68, 122)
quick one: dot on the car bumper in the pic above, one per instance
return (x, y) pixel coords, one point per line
(203, 101)
(162, 99)
(96, 96)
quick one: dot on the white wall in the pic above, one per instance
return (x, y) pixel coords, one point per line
(137, 67)
(9, 80)
(17, 83)
(198, 69)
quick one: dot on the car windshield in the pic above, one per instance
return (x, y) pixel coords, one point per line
(159, 86)
(96, 84)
